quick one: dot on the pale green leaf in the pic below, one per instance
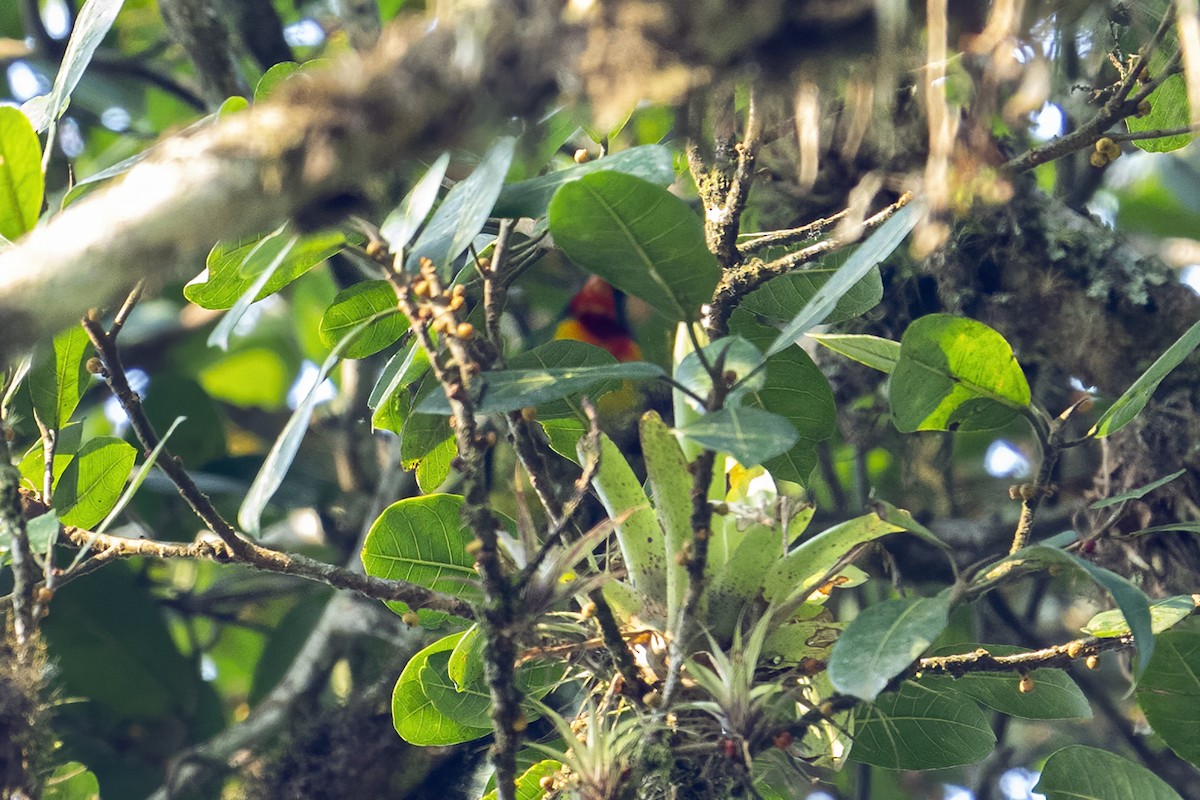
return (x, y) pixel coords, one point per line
(882, 641)
(1085, 773)
(1130, 404)
(21, 181)
(921, 727)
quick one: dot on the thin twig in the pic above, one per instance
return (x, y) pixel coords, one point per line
(804, 233)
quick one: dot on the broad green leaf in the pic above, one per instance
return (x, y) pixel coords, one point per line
(802, 570)
(651, 162)
(1169, 693)
(401, 370)
(274, 76)
(1130, 404)
(1129, 599)
(955, 374)
(58, 381)
(254, 376)
(637, 236)
(406, 219)
(423, 540)
(529, 785)
(139, 478)
(91, 484)
(1164, 614)
(88, 30)
(434, 466)
(422, 432)
(466, 666)
(1085, 773)
(232, 105)
(513, 389)
(33, 464)
(1054, 694)
(670, 486)
(882, 641)
(795, 641)
(1138, 493)
(21, 181)
(461, 216)
(72, 781)
(1169, 109)
(41, 531)
(228, 323)
(638, 533)
(567, 354)
(780, 299)
(563, 436)
(365, 300)
(287, 444)
(233, 268)
(734, 354)
(795, 388)
(414, 712)
(877, 247)
(920, 727)
(750, 435)
(873, 351)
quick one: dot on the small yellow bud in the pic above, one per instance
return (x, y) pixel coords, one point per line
(582, 156)
(465, 331)
(95, 366)
(1097, 159)
(1092, 661)
(411, 618)
(1025, 686)
(1073, 648)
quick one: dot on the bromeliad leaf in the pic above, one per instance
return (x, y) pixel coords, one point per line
(463, 213)
(509, 390)
(1085, 773)
(955, 374)
(920, 727)
(21, 182)
(882, 641)
(1130, 404)
(407, 218)
(651, 162)
(877, 247)
(92, 482)
(872, 351)
(637, 236)
(750, 435)
(423, 540)
(670, 486)
(365, 300)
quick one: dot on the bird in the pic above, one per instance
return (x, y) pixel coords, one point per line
(596, 315)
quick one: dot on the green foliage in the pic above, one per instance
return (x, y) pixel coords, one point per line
(357, 304)
(882, 641)
(1169, 693)
(1130, 404)
(1085, 772)
(21, 182)
(921, 727)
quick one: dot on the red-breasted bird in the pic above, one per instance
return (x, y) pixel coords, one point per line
(596, 315)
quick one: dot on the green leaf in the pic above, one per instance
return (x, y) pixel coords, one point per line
(423, 540)
(529, 785)
(1164, 614)
(434, 467)
(1138, 493)
(735, 354)
(56, 383)
(780, 299)
(882, 641)
(232, 268)
(796, 389)
(637, 236)
(955, 374)
(463, 213)
(1187, 527)
(91, 484)
(564, 354)
(1054, 695)
(1130, 404)
(406, 219)
(1085, 773)
(1129, 599)
(400, 372)
(88, 31)
(72, 781)
(638, 533)
(513, 389)
(1169, 109)
(279, 246)
(670, 486)
(737, 582)
(920, 727)
(42, 532)
(1169, 693)
(466, 660)
(750, 435)
(877, 247)
(274, 76)
(415, 712)
(255, 376)
(563, 436)
(801, 571)
(21, 181)
(422, 432)
(33, 464)
(365, 300)
(873, 351)
(651, 162)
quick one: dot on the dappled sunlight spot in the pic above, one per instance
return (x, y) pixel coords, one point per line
(56, 18)
(1003, 460)
(115, 118)
(208, 667)
(1017, 784)
(1190, 276)
(24, 82)
(138, 381)
(952, 792)
(1047, 123)
(304, 33)
(70, 137)
(1079, 386)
